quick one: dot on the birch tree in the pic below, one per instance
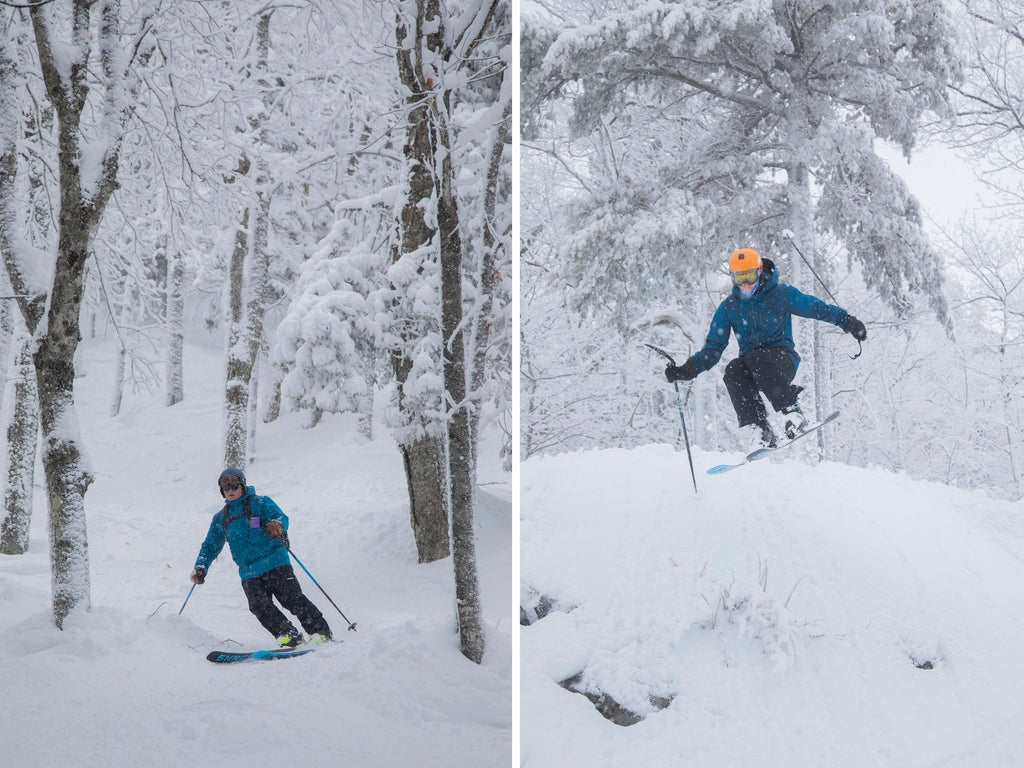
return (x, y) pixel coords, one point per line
(22, 419)
(174, 324)
(69, 41)
(434, 45)
(248, 274)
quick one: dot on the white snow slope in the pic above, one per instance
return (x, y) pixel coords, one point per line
(127, 683)
(789, 612)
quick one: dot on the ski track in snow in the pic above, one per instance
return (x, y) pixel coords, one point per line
(127, 683)
(783, 609)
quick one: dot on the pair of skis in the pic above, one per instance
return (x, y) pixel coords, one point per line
(232, 657)
(760, 453)
(763, 453)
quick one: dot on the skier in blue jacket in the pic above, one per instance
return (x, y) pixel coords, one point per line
(254, 528)
(760, 311)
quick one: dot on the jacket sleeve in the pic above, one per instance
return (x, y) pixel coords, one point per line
(814, 308)
(212, 544)
(707, 357)
(270, 511)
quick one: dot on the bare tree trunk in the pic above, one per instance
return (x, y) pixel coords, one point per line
(273, 407)
(22, 445)
(119, 369)
(247, 329)
(254, 391)
(174, 322)
(423, 456)
(64, 461)
(124, 321)
(259, 275)
(492, 246)
(236, 387)
(1008, 382)
(801, 223)
(7, 330)
(461, 449)
(423, 460)
(365, 427)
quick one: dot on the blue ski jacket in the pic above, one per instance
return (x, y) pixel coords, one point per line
(762, 320)
(253, 551)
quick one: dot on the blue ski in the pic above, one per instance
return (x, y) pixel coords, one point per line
(229, 657)
(762, 453)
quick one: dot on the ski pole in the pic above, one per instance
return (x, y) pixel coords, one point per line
(186, 599)
(682, 418)
(789, 236)
(351, 625)
(686, 437)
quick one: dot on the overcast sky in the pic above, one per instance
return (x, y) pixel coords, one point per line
(944, 184)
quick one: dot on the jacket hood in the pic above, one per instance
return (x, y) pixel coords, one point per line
(769, 279)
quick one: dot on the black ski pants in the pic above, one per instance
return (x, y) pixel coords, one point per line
(281, 583)
(770, 370)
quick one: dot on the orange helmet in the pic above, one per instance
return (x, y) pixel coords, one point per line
(744, 259)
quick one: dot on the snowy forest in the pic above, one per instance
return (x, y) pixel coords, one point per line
(325, 184)
(658, 138)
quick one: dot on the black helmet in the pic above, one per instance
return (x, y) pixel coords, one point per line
(231, 472)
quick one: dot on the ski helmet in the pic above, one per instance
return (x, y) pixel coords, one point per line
(231, 472)
(745, 271)
(744, 259)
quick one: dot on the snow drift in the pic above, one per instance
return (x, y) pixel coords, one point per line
(787, 614)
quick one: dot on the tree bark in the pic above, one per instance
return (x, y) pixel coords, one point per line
(64, 462)
(122, 320)
(174, 322)
(68, 77)
(423, 456)
(236, 386)
(22, 445)
(461, 450)
(247, 325)
(492, 246)
(428, 505)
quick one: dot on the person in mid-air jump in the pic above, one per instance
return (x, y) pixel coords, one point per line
(254, 528)
(760, 310)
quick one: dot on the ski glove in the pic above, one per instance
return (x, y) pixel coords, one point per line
(684, 372)
(198, 575)
(273, 529)
(855, 328)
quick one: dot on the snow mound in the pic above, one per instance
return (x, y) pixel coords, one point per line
(787, 614)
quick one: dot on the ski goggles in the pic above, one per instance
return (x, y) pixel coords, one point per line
(230, 486)
(746, 276)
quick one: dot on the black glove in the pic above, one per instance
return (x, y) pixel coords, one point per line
(855, 328)
(198, 575)
(684, 372)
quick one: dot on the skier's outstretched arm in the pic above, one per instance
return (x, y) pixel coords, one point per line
(812, 307)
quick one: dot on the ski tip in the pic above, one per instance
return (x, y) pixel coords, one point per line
(717, 470)
(227, 657)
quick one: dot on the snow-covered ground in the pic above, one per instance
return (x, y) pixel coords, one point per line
(794, 615)
(127, 683)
